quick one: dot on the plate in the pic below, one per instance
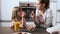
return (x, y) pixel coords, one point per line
(21, 32)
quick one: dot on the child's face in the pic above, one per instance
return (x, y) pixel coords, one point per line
(19, 13)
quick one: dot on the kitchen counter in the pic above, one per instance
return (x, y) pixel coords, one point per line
(8, 30)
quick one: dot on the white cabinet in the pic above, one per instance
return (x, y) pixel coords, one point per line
(58, 4)
(58, 16)
(54, 9)
(58, 11)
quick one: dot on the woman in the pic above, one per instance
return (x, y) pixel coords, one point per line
(18, 15)
(44, 15)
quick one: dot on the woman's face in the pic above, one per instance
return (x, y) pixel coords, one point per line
(40, 6)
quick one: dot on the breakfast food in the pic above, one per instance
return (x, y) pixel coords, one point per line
(25, 33)
(19, 33)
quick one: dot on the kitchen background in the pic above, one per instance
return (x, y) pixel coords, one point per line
(6, 7)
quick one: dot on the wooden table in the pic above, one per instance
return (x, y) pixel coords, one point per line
(7, 30)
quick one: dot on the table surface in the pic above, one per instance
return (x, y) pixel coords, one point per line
(8, 30)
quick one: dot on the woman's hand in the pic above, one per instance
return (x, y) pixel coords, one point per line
(41, 19)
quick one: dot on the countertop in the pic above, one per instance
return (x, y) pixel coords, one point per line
(8, 30)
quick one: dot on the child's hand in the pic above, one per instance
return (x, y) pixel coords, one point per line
(23, 14)
(21, 25)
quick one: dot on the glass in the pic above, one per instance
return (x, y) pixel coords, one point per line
(16, 26)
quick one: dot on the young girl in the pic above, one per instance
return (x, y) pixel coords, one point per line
(18, 15)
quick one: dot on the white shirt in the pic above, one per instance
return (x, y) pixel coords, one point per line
(48, 17)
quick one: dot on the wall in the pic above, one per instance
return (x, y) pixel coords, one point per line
(0, 9)
(6, 8)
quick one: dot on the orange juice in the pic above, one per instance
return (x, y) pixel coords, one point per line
(16, 25)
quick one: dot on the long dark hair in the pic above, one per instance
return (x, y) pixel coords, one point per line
(47, 3)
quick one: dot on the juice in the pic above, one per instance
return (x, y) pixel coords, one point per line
(16, 25)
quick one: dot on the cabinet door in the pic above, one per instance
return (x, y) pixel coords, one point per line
(58, 16)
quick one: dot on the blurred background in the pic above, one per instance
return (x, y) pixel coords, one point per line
(6, 7)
